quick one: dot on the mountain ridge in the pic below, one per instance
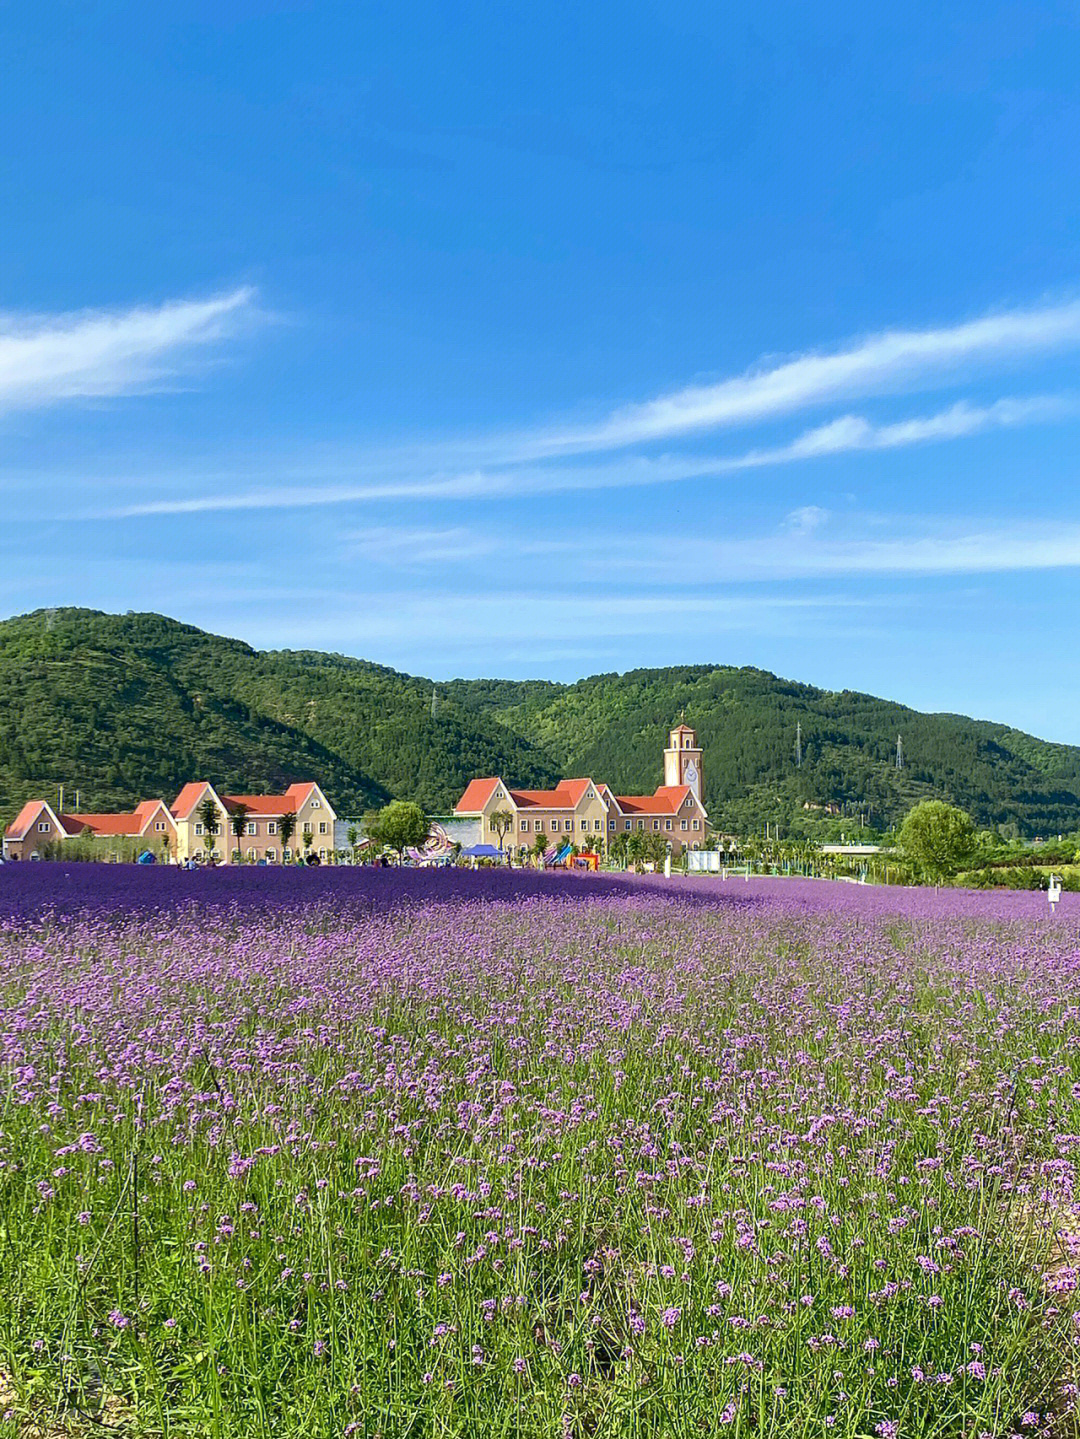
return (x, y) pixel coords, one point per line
(125, 707)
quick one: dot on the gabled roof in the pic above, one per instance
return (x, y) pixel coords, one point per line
(477, 793)
(683, 729)
(575, 788)
(148, 811)
(19, 827)
(668, 799)
(189, 797)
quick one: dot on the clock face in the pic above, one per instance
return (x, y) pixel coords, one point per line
(690, 773)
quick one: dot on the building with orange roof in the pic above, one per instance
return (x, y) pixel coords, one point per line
(38, 828)
(585, 812)
(180, 830)
(260, 816)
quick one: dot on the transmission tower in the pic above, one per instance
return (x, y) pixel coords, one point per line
(798, 745)
(432, 701)
(899, 753)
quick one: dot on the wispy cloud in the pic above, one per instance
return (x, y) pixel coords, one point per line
(810, 543)
(880, 364)
(454, 622)
(848, 433)
(921, 548)
(91, 353)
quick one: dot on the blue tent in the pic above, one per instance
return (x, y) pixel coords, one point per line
(146, 858)
(483, 851)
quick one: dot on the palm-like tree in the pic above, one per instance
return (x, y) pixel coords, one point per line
(286, 828)
(237, 823)
(208, 818)
(501, 822)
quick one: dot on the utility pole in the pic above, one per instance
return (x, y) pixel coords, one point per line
(61, 804)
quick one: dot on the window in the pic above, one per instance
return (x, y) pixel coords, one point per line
(611, 824)
(271, 828)
(683, 824)
(697, 824)
(656, 824)
(286, 854)
(667, 824)
(569, 824)
(641, 824)
(628, 824)
(43, 827)
(253, 854)
(322, 826)
(251, 827)
(539, 826)
(524, 826)
(307, 826)
(271, 855)
(554, 825)
(198, 829)
(322, 853)
(316, 804)
(160, 826)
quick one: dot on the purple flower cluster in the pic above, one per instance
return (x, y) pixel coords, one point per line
(319, 1152)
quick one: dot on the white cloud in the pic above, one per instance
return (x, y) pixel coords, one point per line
(89, 353)
(848, 433)
(810, 544)
(921, 549)
(882, 363)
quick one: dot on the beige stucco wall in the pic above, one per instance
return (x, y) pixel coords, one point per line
(265, 842)
(34, 840)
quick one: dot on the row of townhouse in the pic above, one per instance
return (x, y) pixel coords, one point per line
(178, 831)
(584, 811)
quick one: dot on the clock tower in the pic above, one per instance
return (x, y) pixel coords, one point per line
(682, 761)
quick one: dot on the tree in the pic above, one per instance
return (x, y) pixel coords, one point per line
(286, 828)
(619, 848)
(237, 823)
(399, 825)
(208, 818)
(937, 839)
(352, 834)
(501, 821)
(540, 844)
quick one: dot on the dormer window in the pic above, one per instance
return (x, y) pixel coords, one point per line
(316, 804)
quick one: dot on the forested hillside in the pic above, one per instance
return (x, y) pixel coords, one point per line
(128, 706)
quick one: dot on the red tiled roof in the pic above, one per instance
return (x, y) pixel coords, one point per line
(20, 825)
(668, 799)
(575, 788)
(477, 793)
(267, 804)
(541, 799)
(682, 729)
(103, 823)
(188, 798)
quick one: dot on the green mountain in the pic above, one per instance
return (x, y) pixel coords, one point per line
(124, 707)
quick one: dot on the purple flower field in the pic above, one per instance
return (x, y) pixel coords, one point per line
(351, 1152)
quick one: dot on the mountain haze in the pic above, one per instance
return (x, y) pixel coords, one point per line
(125, 707)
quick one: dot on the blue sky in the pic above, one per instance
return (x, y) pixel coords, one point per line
(547, 340)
